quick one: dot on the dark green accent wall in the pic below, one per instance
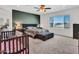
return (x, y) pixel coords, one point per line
(25, 18)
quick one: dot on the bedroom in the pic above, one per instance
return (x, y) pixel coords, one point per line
(54, 37)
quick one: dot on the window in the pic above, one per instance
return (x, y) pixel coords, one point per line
(60, 21)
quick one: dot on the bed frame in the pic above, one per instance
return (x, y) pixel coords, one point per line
(13, 45)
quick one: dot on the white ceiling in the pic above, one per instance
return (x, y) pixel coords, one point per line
(31, 9)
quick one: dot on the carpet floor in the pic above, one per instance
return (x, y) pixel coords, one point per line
(56, 45)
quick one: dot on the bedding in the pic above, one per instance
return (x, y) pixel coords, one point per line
(44, 36)
(33, 31)
(44, 33)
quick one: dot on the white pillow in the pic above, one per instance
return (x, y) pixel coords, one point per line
(30, 27)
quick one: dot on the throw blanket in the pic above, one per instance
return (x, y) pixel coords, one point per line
(31, 32)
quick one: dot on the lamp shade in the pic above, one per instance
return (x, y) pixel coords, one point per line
(18, 25)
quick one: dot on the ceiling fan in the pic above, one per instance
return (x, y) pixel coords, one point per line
(42, 8)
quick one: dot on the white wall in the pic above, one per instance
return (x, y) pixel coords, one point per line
(74, 18)
(6, 13)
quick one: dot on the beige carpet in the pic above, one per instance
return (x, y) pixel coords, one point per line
(56, 45)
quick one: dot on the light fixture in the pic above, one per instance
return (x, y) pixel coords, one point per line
(42, 8)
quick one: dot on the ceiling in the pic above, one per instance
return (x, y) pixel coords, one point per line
(31, 9)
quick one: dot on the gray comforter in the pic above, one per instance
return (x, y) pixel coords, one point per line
(34, 30)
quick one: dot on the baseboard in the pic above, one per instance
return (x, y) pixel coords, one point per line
(64, 36)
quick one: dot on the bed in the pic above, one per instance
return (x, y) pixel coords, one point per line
(38, 32)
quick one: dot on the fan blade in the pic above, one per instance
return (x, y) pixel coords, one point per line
(37, 10)
(36, 7)
(47, 8)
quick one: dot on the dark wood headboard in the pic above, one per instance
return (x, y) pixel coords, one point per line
(29, 25)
